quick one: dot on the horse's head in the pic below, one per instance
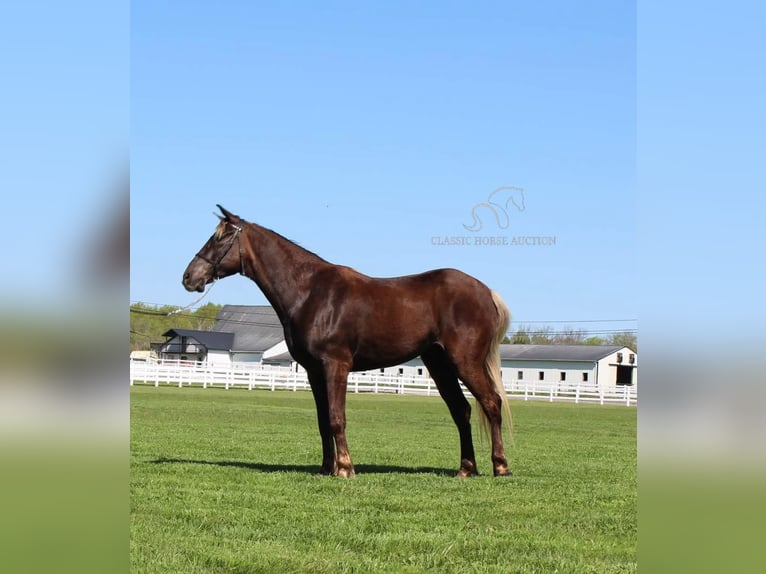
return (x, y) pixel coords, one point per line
(218, 257)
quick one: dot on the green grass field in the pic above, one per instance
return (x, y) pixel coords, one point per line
(223, 481)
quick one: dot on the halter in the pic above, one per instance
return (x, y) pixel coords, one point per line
(215, 264)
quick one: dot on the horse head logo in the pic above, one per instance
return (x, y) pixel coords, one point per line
(498, 204)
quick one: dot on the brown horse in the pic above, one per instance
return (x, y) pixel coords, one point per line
(337, 320)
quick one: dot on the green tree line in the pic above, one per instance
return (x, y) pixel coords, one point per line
(149, 322)
(526, 335)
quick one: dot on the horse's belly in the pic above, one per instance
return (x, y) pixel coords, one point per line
(380, 355)
(369, 363)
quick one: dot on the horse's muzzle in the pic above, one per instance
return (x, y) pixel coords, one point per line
(191, 284)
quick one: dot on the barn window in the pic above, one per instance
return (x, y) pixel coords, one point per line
(631, 358)
(520, 375)
(563, 375)
(401, 371)
(382, 371)
(541, 375)
(585, 377)
(420, 371)
(619, 357)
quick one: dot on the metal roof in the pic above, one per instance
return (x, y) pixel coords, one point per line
(211, 340)
(255, 327)
(533, 352)
(512, 352)
(284, 357)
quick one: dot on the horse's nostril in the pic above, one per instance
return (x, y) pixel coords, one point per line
(186, 276)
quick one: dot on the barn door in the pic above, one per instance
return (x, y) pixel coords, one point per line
(624, 375)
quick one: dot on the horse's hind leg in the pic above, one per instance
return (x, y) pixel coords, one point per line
(475, 378)
(443, 373)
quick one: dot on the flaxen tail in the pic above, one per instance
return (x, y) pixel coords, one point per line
(492, 364)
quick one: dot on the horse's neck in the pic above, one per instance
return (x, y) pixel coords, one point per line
(282, 269)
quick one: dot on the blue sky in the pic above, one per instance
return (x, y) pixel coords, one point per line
(64, 136)
(363, 131)
(362, 134)
(701, 177)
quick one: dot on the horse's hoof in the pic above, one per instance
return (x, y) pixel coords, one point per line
(345, 473)
(503, 471)
(465, 473)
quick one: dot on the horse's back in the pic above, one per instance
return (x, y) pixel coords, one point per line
(435, 280)
(438, 300)
(448, 287)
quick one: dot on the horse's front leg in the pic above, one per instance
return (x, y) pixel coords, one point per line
(319, 390)
(336, 375)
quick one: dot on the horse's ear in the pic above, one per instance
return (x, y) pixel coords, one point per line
(227, 214)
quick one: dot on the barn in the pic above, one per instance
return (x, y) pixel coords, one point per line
(211, 347)
(607, 366)
(253, 334)
(241, 334)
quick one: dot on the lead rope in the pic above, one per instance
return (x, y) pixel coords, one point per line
(193, 303)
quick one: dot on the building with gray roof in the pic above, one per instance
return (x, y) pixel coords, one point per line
(193, 345)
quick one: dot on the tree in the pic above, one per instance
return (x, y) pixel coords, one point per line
(520, 337)
(149, 322)
(594, 341)
(624, 339)
(542, 336)
(569, 336)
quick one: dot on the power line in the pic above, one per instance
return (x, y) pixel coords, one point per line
(208, 317)
(144, 335)
(532, 332)
(581, 321)
(271, 324)
(267, 311)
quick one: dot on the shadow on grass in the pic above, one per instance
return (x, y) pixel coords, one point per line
(309, 469)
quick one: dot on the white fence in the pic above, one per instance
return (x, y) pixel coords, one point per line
(271, 377)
